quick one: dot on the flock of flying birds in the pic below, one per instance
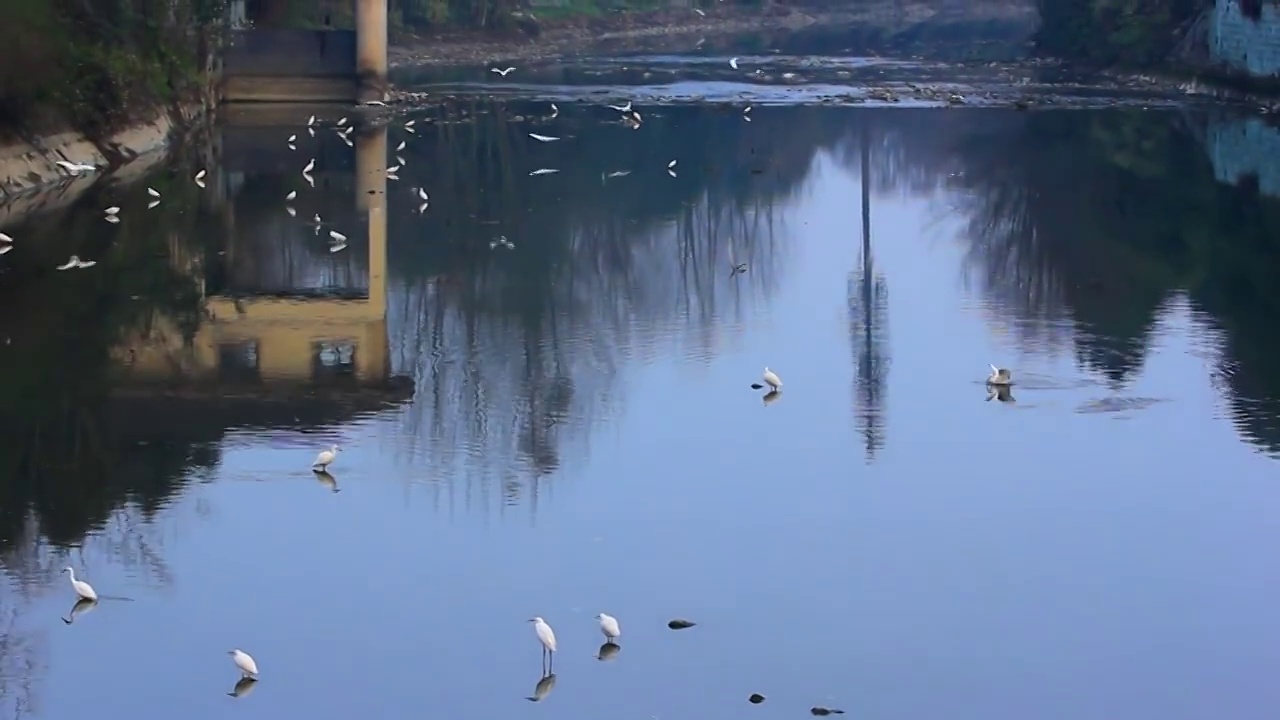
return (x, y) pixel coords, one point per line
(338, 241)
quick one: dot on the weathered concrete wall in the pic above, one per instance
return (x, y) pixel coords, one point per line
(30, 178)
(1240, 148)
(1245, 44)
(291, 53)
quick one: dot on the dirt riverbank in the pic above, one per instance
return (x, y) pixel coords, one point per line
(535, 38)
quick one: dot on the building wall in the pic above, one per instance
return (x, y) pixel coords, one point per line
(1243, 43)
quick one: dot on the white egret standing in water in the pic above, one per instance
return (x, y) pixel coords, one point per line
(325, 458)
(242, 659)
(609, 626)
(546, 636)
(772, 380)
(1000, 376)
(82, 588)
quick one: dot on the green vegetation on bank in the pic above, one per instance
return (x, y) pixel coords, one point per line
(93, 66)
(1115, 32)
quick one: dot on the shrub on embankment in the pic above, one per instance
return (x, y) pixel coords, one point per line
(96, 66)
(1115, 32)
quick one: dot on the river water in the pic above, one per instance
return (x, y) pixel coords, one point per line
(540, 386)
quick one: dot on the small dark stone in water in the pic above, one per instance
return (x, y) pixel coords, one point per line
(756, 386)
(680, 624)
(756, 698)
(822, 712)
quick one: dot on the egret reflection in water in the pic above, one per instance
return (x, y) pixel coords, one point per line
(243, 687)
(543, 688)
(326, 479)
(83, 606)
(608, 651)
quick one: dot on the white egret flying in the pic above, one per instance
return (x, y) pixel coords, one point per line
(325, 458)
(85, 590)
(772, 380)
(546, 636)
(1000, 376)
(733, 63)
(248, 668)
(503, 73)
(609, 626)
(74, 168)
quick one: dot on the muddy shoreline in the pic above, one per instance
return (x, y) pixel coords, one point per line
(539, 39)
(536, 38)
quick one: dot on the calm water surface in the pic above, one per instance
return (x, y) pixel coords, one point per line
(564, 426)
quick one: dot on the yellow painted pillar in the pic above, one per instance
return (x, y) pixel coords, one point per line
(371, 49)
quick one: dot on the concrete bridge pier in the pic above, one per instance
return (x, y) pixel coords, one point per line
(371, 50)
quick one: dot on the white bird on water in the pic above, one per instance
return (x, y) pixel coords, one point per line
(503, 73)
(113, 210)
(1000, 376)
(153, 192)
(772, 380)
(82, 588)
(609, 626)
(5, 237)
(75, 262)
(248, 668)
(325, 458)
(309, 167)
(543, 138)
(733, 63)
(546, 636)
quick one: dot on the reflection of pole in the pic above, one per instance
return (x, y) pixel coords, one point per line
(866, 212)
(371, 197)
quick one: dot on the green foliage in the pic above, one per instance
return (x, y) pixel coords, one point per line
(1108, 32)
(93, 66)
